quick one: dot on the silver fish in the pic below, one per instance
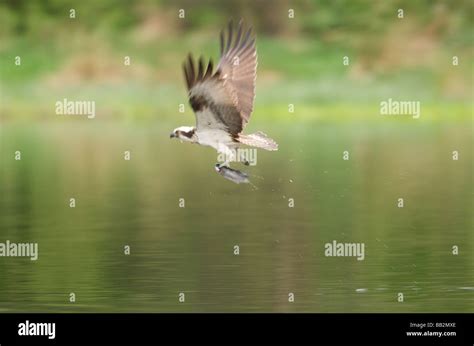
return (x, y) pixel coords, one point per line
(233, 175)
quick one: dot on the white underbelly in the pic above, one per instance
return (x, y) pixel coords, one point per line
(217, 139)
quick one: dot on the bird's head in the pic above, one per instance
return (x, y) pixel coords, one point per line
(184, 133)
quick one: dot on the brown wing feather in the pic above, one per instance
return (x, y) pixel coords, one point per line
(228, 93)
(203, 73)
(238, 68)
(211, 101)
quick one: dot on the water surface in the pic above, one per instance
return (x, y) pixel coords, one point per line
(191, 249)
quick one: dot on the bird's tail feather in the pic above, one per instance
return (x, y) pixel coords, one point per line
(259, 140)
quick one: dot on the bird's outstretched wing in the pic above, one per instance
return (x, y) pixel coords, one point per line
(224, 99)
(238, 67)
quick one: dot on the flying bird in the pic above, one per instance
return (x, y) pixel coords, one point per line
(222, 99)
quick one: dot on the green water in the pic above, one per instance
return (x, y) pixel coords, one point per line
(191, 250)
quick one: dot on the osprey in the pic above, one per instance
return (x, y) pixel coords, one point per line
(222, 100)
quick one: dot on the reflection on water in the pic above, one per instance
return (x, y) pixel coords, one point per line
(191, 249)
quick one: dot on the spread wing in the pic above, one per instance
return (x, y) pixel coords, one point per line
(238, 68)
(224, 99)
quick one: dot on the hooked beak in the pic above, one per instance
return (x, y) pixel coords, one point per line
(172, 135)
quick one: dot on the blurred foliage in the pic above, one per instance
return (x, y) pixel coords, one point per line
(300, 57)
(451, 20)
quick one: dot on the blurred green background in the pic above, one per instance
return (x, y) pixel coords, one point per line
(336, 108)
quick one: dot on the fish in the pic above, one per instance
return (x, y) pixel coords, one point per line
(233, 175)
